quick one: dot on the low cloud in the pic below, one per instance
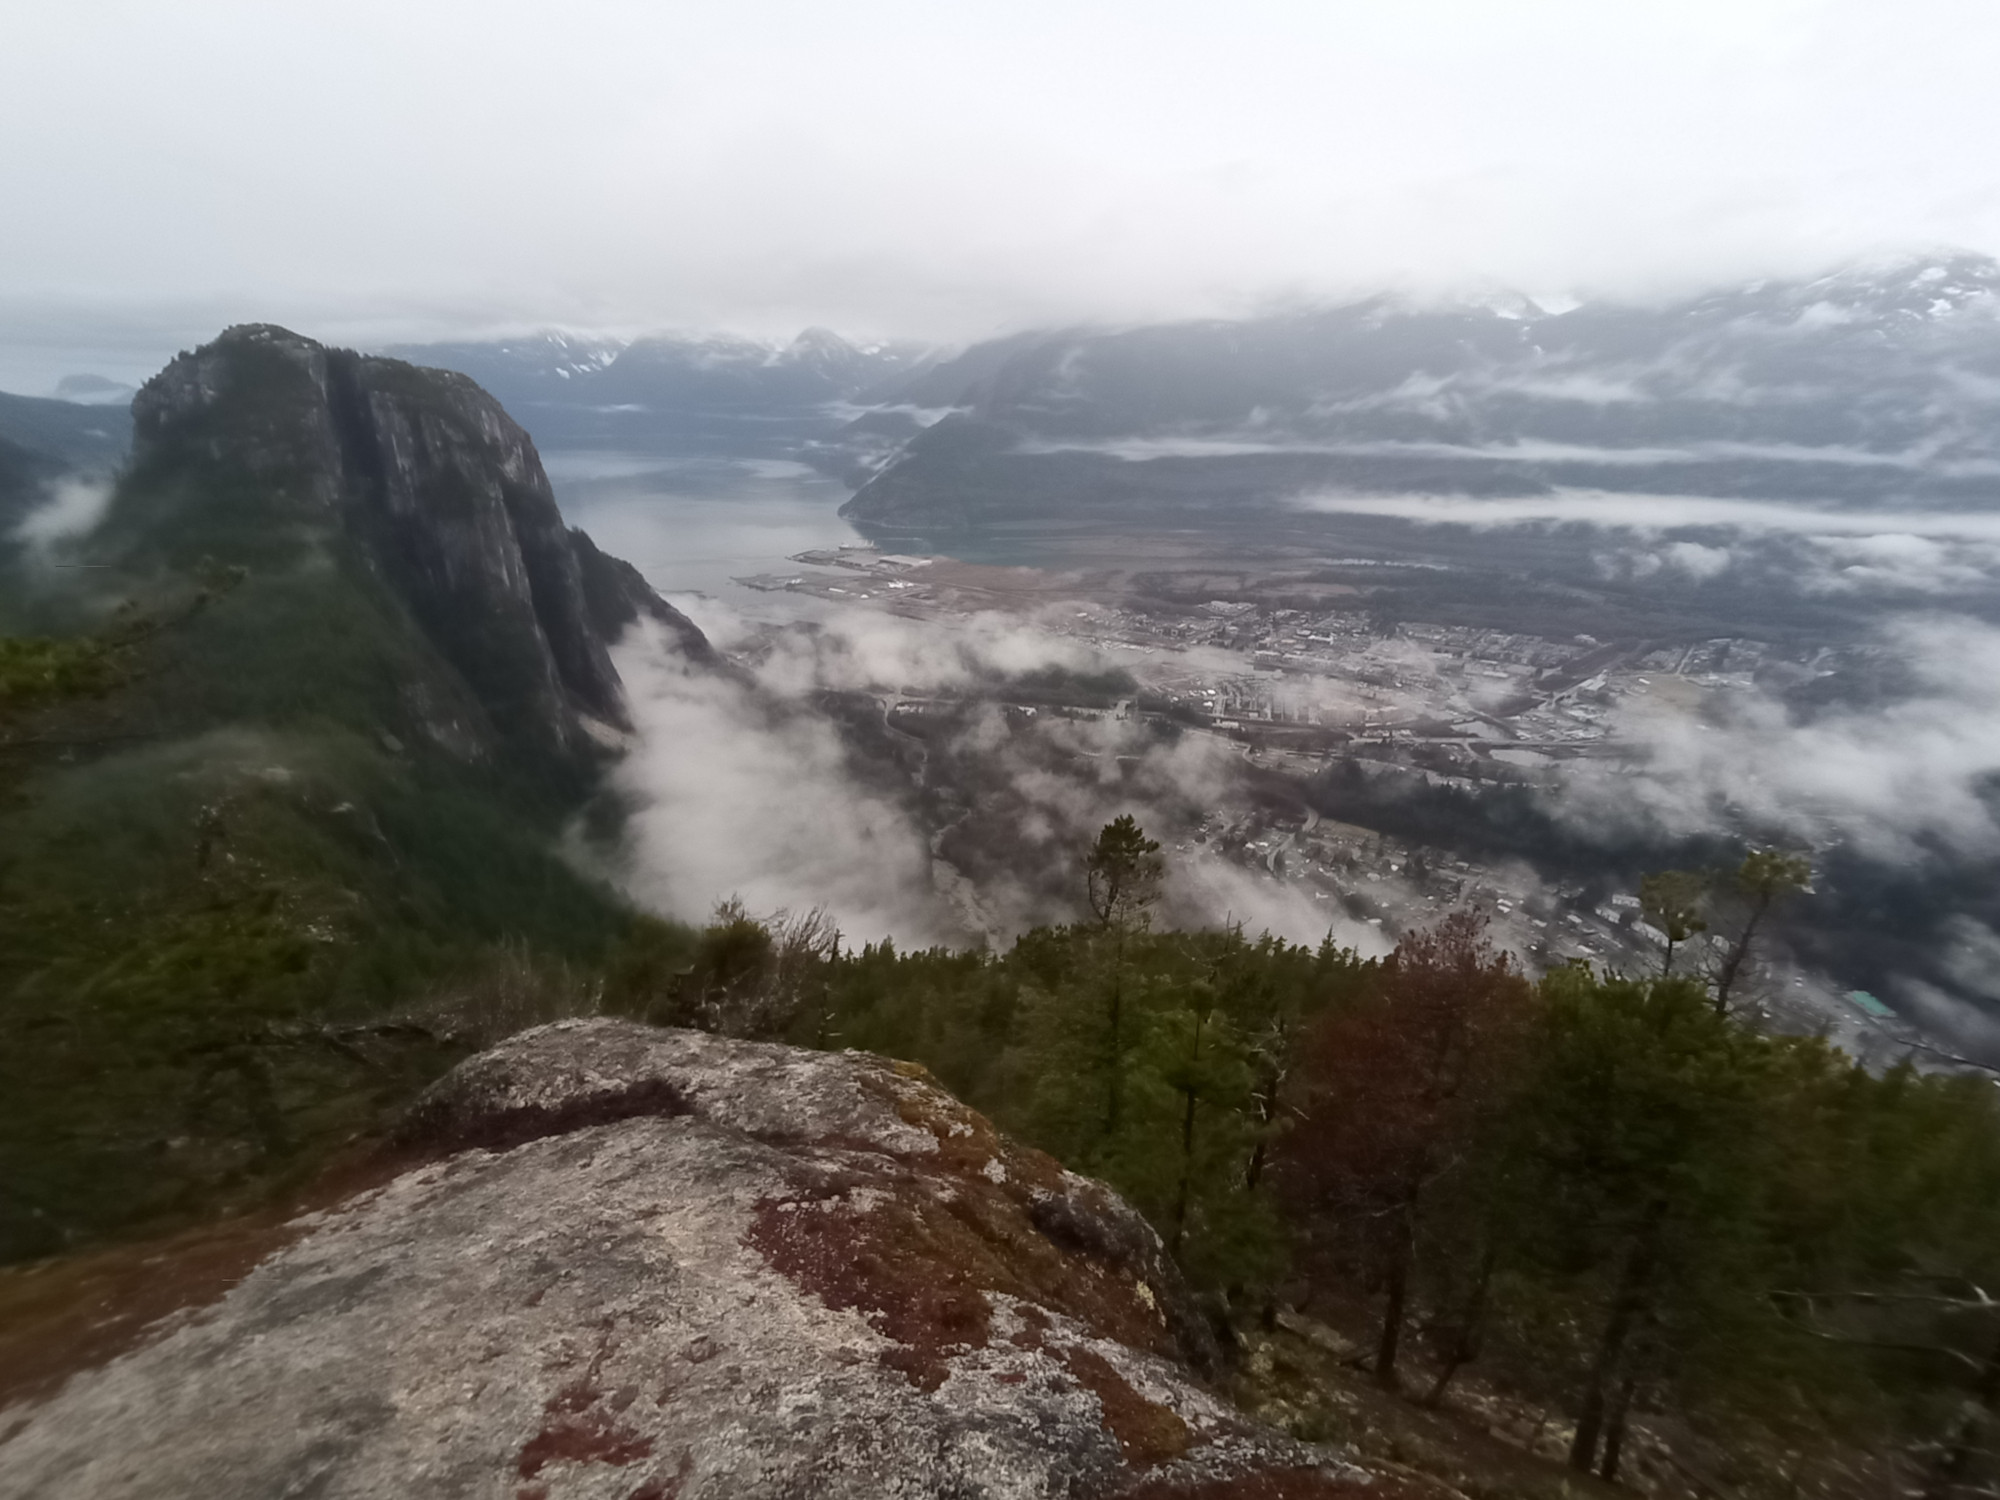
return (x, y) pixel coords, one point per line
(1971, 956)
(750, 785)
(1804, 549)
(732, 793)
(1517, 451)
(1887, 564)
(855, 650)
(71, 512)
(1218, 891)
(1898, 780)
(1961, 1024)
(745, 785)
(1899, 561)
(1693, 560)
(1653, 514)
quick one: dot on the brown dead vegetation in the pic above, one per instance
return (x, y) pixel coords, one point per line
(1147, 1432)
(58, 1317)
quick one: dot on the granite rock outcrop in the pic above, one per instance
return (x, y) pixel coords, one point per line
(421, 480)
(626, 1262)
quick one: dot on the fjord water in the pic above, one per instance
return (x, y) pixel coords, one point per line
(694, 525)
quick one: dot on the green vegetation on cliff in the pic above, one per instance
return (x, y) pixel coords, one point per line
(255, 812)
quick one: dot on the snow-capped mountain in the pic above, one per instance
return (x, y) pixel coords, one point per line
(1872, 385)
(672, 369)
(1909, 290)
(530, 368)
(680, 391)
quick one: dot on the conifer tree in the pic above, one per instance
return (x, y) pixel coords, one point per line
(1122, 874)
(1672, 901)
(1644, 1110)
(1763, 880)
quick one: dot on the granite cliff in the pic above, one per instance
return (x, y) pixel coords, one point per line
(422, 482)
(619, 1261)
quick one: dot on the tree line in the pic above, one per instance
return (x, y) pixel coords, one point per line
(1614, 1195)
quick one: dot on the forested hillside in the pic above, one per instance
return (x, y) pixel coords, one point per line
(287, 744)
(1608, 1214)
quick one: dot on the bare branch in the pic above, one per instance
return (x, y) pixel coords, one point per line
(1980, 1302)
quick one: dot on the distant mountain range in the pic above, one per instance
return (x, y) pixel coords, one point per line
(704, 394)
(1869, 387)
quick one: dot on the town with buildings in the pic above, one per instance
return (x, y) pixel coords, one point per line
(1297, 692)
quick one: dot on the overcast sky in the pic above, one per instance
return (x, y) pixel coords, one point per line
(369, 170)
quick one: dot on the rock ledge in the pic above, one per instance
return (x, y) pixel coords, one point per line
(638, 1264)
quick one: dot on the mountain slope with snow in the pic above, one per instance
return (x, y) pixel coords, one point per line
(1870, 387)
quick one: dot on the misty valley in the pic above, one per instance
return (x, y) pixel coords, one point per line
(1478, 822)
(1529, 604)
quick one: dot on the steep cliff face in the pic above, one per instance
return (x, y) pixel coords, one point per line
(636, 1263)
(418, 478)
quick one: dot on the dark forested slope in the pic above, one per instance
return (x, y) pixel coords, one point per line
(292, 737)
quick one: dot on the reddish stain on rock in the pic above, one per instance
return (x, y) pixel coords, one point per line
(590, 1437)
(906, 1271)
(941, 1233)
(578, 1428)
(1147, 1432)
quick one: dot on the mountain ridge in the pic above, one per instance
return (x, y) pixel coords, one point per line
(717, 395)
(1867, 395)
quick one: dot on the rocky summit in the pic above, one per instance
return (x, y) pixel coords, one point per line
(420, 485)
(627, 1262)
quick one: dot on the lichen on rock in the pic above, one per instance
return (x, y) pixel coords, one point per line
(638, 1263)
